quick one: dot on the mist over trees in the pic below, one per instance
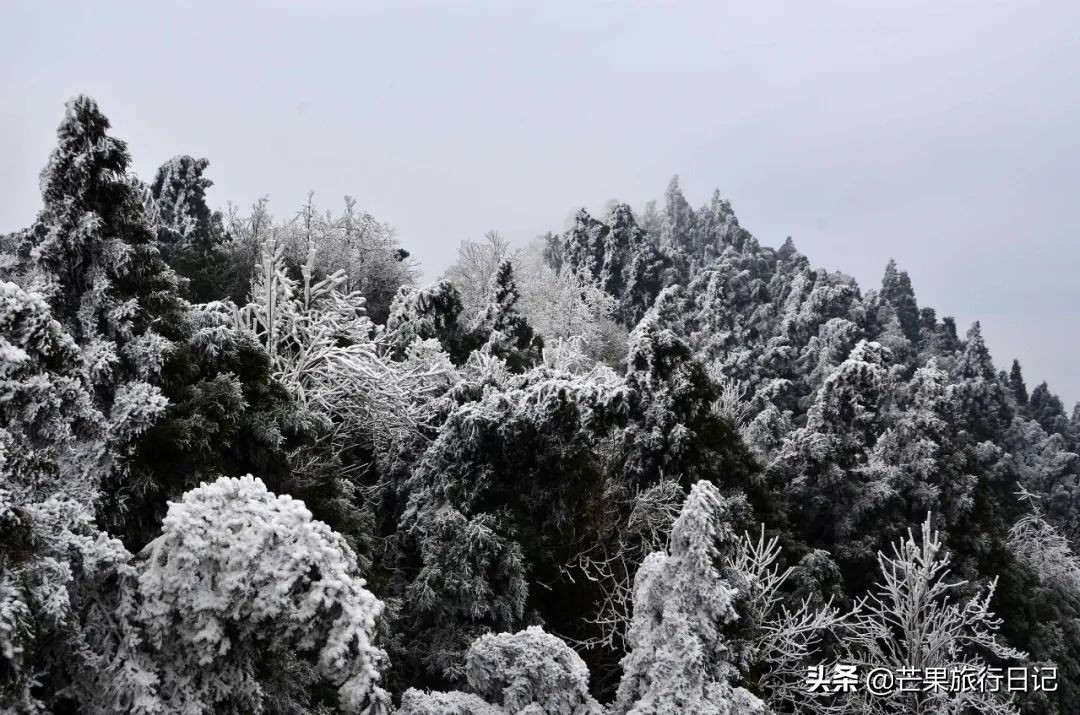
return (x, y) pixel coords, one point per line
(644, 465)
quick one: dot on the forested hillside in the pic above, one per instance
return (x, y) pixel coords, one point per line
(643, 465)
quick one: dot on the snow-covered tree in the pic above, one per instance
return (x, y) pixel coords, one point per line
(1037, 543)
(56, 609)
(416, 702)
(897, 291)
(189, 234)
(93, 256)
(431, 313)
(916, 619)
(92, 253)
(509, 335)
(322, 349)
(676, 430)
(475, 268)
(923, 458)
(354, 243)
(834, 490)
(530, 671)
(679, 658)
(983, 407)
(245, 598)
(564, 306)
(524, 673)
(1016, 382)
(508, 476)
(1048, 411)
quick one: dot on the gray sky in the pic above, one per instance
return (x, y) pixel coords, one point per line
(943, 133)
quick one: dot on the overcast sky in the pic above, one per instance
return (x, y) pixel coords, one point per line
(944, 134)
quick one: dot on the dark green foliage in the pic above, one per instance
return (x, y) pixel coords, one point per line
(616, 255)
(1016, 382)
(1047, 410)
(896, 289)
(432, 313)
(510, 336)
(521, 470)
(189, 234)
(92, 246)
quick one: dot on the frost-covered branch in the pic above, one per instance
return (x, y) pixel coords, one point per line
(1039, 545)
(324, 349)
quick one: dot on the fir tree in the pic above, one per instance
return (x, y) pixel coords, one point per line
(679, 659)
(509, 334)
(1016, 382)
(896, 289)
(94, 257)
(983, 406)
(1047, 410)
(189, 234)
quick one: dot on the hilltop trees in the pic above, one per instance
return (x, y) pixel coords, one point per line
(896, 290)
(532, 481)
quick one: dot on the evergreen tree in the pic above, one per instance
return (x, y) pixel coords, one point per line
(1048, 411)
(56, 642)
(94, 257)
(492, 502)
(1016, 382)
(896, 289)
(679, 659)
(264, 604)
(92, 254)
(983, 407)
(509, 334)
(679, 223)
(836, 494)
(617, 256)
(189, 234)
(431, 313)
(634, 267)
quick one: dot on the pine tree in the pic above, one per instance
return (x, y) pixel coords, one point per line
(1048, 411)
(983, 406)
(508, 476)
(583, 245)
(678, 230)
(65, 641)
(509, 334)
(189, 234)
(679, 658)
(896, 289)
(835, 493)
(675, 430)
(618, 257)
(431, 313)
(718, 230)
(1016, 382)
(93, 256)
(642, 266)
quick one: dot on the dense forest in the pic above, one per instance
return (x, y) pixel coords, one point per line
(641, 465)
